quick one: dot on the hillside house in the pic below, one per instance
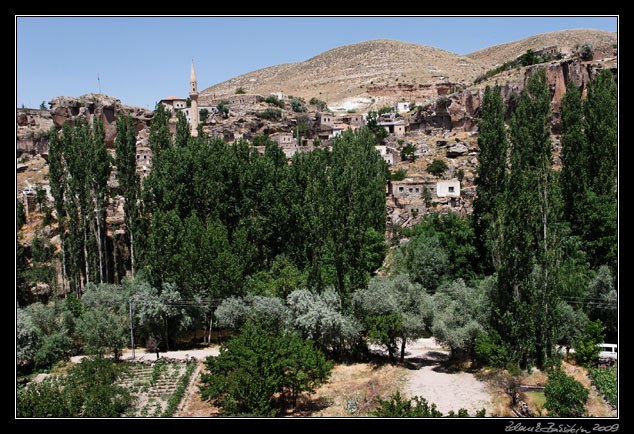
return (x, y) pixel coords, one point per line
(386, 153)
(143, 160)
(449, 188)
(402, 107)
(398, 128)
(174, 103)
(409, 192)
(352, 119)
(326, 119)
(283, 139)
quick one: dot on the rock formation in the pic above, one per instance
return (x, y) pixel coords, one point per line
(65, 109)
(460, 110)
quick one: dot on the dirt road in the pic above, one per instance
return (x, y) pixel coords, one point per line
(447, 389)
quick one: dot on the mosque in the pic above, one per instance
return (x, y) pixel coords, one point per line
(174, 104)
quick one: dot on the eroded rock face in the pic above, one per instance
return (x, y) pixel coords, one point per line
(67, 109)
(461, 110)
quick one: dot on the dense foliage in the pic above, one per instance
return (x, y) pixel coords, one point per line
(88, 390)
(397, 406)
(259, 363)
(222, 234)
(565, 396)
(606, 381)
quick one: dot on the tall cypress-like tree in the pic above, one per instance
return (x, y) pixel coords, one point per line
(491, 177)
(574, 154)
(590, 164)
(358, 176)
(600, 221)
(526, 282)
(159, 135)
(601, 117)
(127, 177)
(57, 183)
(100, 167)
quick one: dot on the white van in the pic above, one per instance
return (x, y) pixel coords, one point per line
(608, 351)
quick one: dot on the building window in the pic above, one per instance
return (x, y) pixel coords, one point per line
(411, 189)
(450, 189)
(400, 189)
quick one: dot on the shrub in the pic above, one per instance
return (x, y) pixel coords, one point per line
(606, 381)
(273, 100)
(491, 350)
(88, 390)
(396, 406)
(587, 350)
(586, 51)
(258, 364)
(270, 114)
(437, 167)
(298, 106)
(54, 348)
(565, 396)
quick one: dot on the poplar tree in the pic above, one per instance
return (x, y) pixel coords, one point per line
(127, 177)
(527, 288)
(574, 155)
(99, 168)
(599, 228)
(57, 183)
(159, 134)
(491, 177)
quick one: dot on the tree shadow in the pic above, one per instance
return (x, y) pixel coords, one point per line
(437, 359)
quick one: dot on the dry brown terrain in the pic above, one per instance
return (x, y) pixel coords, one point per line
(347, 71)
(566, 39)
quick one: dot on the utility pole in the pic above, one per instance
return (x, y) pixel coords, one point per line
(132, 327)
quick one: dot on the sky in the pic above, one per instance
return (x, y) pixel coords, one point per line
(142, 59)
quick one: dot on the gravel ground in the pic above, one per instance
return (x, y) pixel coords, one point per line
(448, 390)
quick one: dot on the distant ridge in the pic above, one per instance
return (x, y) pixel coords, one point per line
(565, 39)
(348, 71)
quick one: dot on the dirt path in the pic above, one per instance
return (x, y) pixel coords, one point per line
(434, 382)
(143, 354)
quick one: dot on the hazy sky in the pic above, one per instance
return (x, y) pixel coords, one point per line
(142, 59)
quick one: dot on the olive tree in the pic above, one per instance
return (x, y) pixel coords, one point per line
(460, 312)
(393, 308)
(320, 318)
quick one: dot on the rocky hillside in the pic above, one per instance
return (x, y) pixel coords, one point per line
(348, 71)
(565, 40)
(359, 73)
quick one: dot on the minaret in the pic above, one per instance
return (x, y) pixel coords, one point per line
(193, 96)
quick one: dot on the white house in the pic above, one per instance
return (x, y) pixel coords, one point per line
(449, 188)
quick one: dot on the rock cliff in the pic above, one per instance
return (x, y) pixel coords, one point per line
(33, 125)
(460, 110)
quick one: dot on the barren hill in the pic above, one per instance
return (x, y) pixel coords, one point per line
(347, 71)
(565, 40)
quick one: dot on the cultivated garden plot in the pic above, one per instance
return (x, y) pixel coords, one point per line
(158, 387)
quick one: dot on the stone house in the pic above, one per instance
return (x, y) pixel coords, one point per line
(283, 139)
(352, 119)
(408, 193)
(398, 128)
(143, 160)
(326, 119)
(174, 103)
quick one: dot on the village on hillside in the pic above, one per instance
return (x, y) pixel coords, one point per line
(427, 137)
